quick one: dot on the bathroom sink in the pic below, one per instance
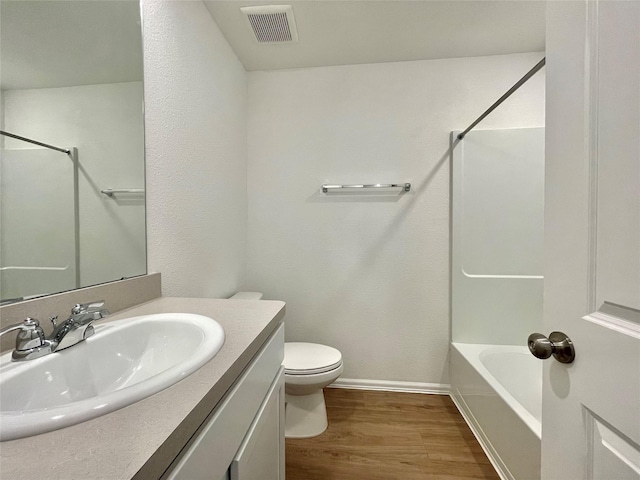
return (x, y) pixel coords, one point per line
(124, 362)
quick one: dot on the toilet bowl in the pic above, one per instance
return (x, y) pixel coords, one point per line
(308, 368)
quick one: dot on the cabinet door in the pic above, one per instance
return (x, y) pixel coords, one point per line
(261, 454)
(208, 455)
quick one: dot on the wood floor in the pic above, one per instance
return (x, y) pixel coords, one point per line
(386, 436)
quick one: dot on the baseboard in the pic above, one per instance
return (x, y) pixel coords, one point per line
(392, 386)
(501, 469)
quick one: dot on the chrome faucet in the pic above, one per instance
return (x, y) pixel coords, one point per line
(31, 342)
(78, 326)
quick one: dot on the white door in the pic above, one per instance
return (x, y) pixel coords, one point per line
(591, 407)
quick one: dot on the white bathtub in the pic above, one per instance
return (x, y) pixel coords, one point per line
(498, 389)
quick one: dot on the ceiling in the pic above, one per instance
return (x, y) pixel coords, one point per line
(334, 32)
(66, 43)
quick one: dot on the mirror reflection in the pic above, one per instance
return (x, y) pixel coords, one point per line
(72, 204)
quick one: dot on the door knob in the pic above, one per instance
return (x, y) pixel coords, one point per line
(558, 345)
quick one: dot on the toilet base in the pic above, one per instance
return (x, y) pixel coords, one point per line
(305, 415)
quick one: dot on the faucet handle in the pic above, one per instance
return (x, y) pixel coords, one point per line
(30, 341)
(30, 336)
(85, 307)
(27, 324)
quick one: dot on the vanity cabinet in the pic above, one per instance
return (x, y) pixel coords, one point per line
(243, 438)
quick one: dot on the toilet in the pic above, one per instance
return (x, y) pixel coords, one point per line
(308, 368)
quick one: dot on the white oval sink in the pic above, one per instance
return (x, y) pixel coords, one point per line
(122, 363)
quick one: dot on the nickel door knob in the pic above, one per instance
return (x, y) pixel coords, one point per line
(558, 345)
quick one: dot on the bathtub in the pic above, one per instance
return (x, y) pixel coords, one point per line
(498, 390)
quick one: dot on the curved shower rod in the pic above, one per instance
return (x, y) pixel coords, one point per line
(518, 84)
(35, 142)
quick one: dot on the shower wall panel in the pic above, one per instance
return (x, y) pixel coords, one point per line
(38, 247)
(498, 215)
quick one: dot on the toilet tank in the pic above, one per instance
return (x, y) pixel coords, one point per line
(247, 296)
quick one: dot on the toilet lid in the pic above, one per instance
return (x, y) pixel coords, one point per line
(309, 358)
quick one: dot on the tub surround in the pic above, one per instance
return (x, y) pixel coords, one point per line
(497, 235)
(141, 440)
(497, 211)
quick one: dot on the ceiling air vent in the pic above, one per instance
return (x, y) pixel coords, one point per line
(272, 23)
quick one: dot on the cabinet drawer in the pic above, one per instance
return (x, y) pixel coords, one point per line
(211, 453)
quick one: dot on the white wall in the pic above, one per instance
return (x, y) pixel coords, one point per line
(368, 274)
(105, 123)
(195, 108)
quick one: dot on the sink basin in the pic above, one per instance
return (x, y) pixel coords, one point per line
(123, 362)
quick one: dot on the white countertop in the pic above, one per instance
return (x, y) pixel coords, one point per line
(141, 440)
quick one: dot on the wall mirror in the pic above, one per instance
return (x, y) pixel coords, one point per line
(71, 78)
